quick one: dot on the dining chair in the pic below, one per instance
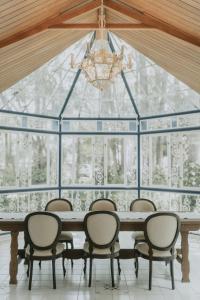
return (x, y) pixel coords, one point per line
(60, 204)
(161, 232)
(103, 204)
(108, 205)
(101, 229)
(42, 231)
(141, 205)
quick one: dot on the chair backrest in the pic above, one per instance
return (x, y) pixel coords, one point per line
(103, 204)
(142, 205)
(42, 230)
(161, 230)
(101, 228)
(59, 204)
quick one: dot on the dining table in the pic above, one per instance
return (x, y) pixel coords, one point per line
(73, 221)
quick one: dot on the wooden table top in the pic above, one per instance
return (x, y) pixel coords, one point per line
(73, 220)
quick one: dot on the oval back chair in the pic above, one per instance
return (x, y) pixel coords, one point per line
(141, 205)
(61, 204)
(42, 231)
(101, 229)
(161, 232)
(103, 204)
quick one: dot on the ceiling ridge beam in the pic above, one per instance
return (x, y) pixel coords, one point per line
(150, 20)
(44, 25)
(95, 26)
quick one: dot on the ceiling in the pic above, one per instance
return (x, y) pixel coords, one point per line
(166, 31)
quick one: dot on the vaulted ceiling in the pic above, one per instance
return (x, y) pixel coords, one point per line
(34, 31)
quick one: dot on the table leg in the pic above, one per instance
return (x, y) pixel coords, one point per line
(13, 257)
(185, 265)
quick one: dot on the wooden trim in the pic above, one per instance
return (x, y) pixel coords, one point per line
(95, 26)
(65, 16)
(149, 20)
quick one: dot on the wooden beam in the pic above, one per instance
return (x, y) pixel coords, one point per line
(65, 16)
(95, 26)
(149, 20)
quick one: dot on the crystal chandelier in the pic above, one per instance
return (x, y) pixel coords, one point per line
(100, 65)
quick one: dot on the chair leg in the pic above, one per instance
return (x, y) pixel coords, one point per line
(28, 269)
(54, 273)
(31, 274)
(136, 266)
(40, 264)
(63, 265)
(112, 271)
(172, 273)
(119, 268)
(150, 273)
(85, 266)
(90, 275)
(72, 247)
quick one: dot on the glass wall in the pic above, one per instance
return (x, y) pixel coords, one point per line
(97, 133)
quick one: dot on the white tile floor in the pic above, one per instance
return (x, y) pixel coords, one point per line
(74, 286)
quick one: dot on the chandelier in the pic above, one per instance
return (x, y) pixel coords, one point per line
(100, 65)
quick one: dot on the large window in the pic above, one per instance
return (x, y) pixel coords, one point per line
(171, 160)
(28, 160)
(99, 160)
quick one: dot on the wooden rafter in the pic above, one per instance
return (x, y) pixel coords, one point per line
(149, 20)
(95, 26)
(67, 15)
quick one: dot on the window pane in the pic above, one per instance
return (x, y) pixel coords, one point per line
(26, 202)
(81, 200)
(173, 201)
(191, 160)
(99, 160)
(159, 160)
(172, 160)
(115, 160)
(27, 159)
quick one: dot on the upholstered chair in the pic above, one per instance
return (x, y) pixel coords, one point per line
(161, 232)
(108, 205)
(62, 205)
(42, 231)
(101, 229)
(103, 204)
(141, 205)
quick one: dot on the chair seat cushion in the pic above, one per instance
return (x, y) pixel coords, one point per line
(97, 251)
(138, 235)
(143, 248)
(66, 236)
(45, 253)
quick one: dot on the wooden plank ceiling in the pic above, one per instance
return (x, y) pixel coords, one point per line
(34, 31)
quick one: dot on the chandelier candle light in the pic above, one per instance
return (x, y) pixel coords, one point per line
(100, 65)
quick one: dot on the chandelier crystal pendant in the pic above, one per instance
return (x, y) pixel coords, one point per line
(100, 65)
